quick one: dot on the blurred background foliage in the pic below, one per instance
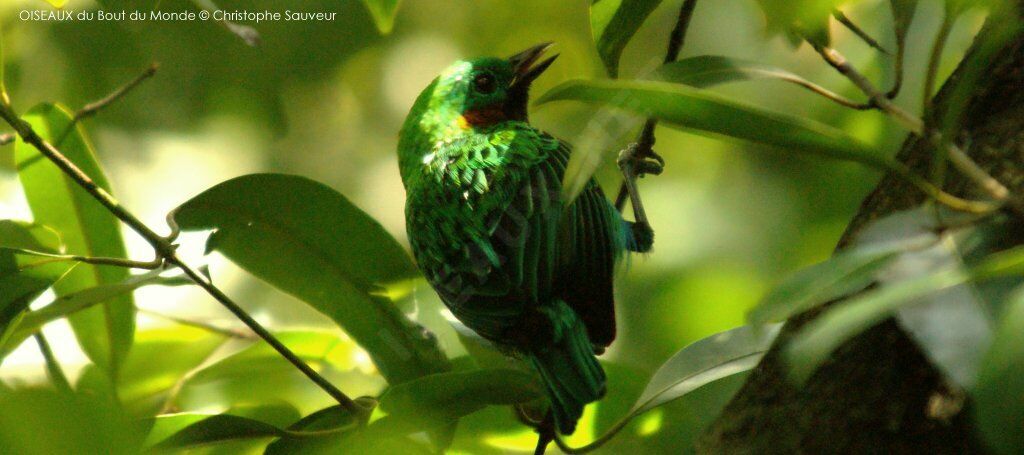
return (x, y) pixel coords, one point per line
(325, 100)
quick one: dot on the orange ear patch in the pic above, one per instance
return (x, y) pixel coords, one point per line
(481, 117)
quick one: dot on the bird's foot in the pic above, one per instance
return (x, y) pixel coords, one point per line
(638, 162)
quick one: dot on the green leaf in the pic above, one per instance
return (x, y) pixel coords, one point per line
(306, 239)
(40, 421)
(87, 228)
(146, 385)
(23, 277)
(335, 422)
(57, 3)
(846, 273)
(383, 12)
(613, 23)
(72, 303)
(800, 19)
(999, 395)
(256, 422)
(819, 338)
(903, 15)
(690, 108)
(437, 400)
(706, 360)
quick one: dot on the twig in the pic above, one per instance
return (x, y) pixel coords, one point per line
(915, 125)
(53, 370)
(644, 146)
(117, 262)
(164, 248)
(843, 19)
(92, 108)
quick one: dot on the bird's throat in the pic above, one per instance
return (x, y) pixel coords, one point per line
(476, 118)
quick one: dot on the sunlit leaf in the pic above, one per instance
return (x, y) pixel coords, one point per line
(707, 360)
(690, 108)
(306, 239)
(440, 399)
(999, 395)
(74, 302)
(613, 23)
(86, 227)
(383, 12)
(28, 236)
(57, 3)
(49, 422)
(800, 19)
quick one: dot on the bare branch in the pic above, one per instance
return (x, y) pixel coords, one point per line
(94, 107)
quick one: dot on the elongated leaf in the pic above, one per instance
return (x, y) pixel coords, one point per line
(800, 19)
(383, 13)
(847, 272)
(24, 277)
(821, 337)
(687, 107)
(999, 394)
(902, 15)
(440, 399)
(613, 23)
(308, 240)
(709, 70)
(238, 424)
(72, 303)
(334, 423)
(87, 228)
(709, 359)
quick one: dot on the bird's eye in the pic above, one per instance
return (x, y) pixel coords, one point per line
(485, 83)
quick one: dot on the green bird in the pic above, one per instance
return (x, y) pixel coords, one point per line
(491, 231)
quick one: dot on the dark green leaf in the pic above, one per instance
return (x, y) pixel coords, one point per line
(440, 399)
(709, 70)
(613, 23)
(87, 228)
(687, 107)
(707, 360)
(903, 15)
(335, 422)
(999, 394)
(24, 277)
(199, 430)
(308, 240)
(383, 12)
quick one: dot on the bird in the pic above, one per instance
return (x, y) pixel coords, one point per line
(489, 226)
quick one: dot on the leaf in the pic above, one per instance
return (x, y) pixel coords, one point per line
(334, 421)
(145, 385)
(22, 277)
(819, 338)
(998, 398)
(306, 239)
(87, 228)
(704, 361)
(440, 399)
(41, 421)
(800, 19)
(613, 23)
(57, 3)
(845, 273)
(72, 303)
(686, 107)
(383, 12)
(238, 424)
(247, 34)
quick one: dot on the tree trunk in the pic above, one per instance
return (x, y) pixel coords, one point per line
(878, 393)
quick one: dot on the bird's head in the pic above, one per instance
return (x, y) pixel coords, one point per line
(480, 92)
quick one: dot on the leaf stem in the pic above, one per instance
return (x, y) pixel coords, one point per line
(94, 107)
(53, 369)
(845, 20)
(164, 247)
(117, 262)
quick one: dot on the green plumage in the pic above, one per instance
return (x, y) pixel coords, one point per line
(490, 230)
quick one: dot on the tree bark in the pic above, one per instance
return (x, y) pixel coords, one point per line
(878, 393)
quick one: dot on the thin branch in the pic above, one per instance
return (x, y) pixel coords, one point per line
(94, 107)
(53, 369)
(644, 146)
(164, 248)
(117, 262)
(915, 125)
(843, 19)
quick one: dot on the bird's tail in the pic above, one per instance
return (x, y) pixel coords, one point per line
(569, 368)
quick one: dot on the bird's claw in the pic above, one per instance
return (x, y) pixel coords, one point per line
(640, 162)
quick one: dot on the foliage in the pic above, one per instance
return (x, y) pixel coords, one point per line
(354, 310)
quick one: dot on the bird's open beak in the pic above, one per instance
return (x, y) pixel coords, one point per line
(523, 65)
